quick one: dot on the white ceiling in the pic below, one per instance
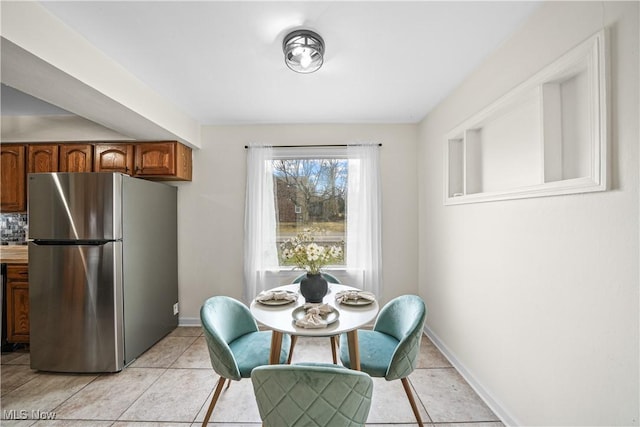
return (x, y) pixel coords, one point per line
(221, 62)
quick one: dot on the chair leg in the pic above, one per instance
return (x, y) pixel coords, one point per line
(214, 399)
(334, 348)
(294, 338)
(414, 407)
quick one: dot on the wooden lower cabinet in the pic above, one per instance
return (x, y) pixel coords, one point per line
(17, 303)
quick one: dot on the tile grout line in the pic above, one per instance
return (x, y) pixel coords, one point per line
(470, 422)
(206, 401)
(141, 394)
(198, 367)
(17, 387)
(415, 394)
(54, 409)
(166, 369)
(195, 416)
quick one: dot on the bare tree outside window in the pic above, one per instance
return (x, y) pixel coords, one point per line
(311, 193)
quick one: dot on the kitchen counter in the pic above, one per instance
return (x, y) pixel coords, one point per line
(14, 254)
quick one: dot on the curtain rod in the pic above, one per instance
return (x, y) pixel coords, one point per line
(313, 145)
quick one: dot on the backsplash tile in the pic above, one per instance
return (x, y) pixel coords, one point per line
(13, 228)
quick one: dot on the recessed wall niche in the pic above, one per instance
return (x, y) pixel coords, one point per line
(548, 136)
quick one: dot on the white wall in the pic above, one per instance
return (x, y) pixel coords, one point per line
(211, 208)
(537, 300)
(83, 80)
(54, 128)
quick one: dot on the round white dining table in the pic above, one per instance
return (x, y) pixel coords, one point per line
(279, 318)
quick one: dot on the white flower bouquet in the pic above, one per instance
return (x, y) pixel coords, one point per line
(303, 251)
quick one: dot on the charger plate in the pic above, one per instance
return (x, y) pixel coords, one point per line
(280, 301)
(355, 302)
(331, 317)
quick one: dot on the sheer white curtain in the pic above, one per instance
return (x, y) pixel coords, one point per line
(364, 216)
(364, 236)
(260, 250)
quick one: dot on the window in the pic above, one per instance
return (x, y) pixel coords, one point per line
(333, 189)
(310, 193)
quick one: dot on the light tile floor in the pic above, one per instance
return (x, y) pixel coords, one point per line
(172, 383)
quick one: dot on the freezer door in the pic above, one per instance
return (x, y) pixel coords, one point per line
(75, 297)
(75, 206)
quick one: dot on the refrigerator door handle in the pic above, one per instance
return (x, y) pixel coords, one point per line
(72, 242)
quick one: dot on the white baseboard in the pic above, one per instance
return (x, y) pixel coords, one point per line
(485, 395)
(189, 321)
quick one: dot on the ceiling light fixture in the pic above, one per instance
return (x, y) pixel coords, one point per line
(303, 51)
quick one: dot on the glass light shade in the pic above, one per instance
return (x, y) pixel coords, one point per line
(303, 51)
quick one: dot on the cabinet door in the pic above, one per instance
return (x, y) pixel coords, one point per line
(13, 196)
(76, 158)
(17, 304)
(113, 158)
(43, 158)
(163, 161)
(156, 158)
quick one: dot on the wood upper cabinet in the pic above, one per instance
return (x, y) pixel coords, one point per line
(113, 158)
(76, 158)
(13, 178)
(60, 158)
(163, 160)
(42, 158)
(17, 303)
(166, 160)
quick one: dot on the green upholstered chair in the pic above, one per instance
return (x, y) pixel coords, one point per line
(311, 395)
(392, 348)
(235, 344)
(334, 338)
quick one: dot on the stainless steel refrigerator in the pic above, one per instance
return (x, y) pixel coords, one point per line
(103, 281)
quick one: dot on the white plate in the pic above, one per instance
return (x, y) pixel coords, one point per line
(357, 302)
(331, 317)
(279, 301)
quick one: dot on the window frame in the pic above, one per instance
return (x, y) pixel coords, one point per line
(364, 260)
(310, 153)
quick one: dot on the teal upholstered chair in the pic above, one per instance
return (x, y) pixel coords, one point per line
(235, 345)
(311, 395)
(334, 338)
(392, 348)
